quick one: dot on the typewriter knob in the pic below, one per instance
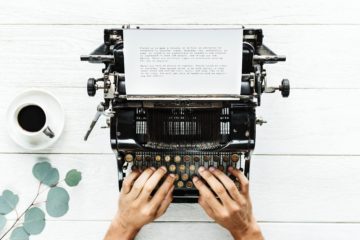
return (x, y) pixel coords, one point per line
(285, 88)
(91, 87)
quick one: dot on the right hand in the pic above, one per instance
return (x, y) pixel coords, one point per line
(233, 210)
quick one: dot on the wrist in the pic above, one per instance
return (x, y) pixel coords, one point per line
(121, 231)
(253, 232)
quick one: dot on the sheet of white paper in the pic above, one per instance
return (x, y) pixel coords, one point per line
(183, 61)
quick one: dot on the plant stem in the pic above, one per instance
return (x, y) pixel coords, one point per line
(22, 214)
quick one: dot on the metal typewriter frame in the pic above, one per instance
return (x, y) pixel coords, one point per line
(123, 111)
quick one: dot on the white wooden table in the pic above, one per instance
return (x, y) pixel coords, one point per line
(305, 181)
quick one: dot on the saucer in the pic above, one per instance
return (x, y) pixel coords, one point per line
(54, 114)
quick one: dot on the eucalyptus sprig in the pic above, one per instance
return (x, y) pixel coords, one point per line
(32, 220)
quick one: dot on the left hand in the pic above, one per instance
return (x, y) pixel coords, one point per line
(136, 205)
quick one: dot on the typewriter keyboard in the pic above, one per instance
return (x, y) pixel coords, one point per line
(185, 166)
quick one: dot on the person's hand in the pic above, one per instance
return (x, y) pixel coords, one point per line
(233, 209)
(136, 205)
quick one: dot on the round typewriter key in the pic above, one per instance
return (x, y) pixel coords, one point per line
(206, 158)
(196, 158)
(216, 158)
(235, 157)
(185, 177)
(167, 158)
(129, 157)
(138, 157)
(182, 167)
(158, 158)
(187, 158)
(221, 168)
(180, 184)
(176, 177)
(225, 158)
(189, 184)
(148, 158)
(172, 168)
(177, 159)
(192, 168)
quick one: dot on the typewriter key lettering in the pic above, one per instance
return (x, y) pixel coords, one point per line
(189, 184)
(167, 158)
(235, 157)
(158, 158)
(180, 184)
(187, 158)
(172, 168)
(129, 157)
(184, 177)
(176, 177)
(182, 168)
(183, 130)
(177, 159)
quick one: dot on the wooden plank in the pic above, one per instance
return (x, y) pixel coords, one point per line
(49, 55)
(173, 11)
(95, 230)
(308, 122)
(306, 188)
(283, 188)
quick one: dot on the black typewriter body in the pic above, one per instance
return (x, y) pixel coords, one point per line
(182, 134)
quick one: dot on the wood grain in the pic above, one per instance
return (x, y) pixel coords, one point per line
(176, 12)
(283, 188)
(95, 230)
(48, 56)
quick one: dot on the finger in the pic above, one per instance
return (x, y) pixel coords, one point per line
(206, 193)
(162, 192)
(152, 182)
(215, 185)
(244, 182)
(129, 181)
(227, 182)
(165, 203)
(207, 208)
(140, 182)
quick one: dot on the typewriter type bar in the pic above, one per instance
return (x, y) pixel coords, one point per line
(182, 133)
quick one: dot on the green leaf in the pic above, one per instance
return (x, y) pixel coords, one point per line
(34, 222)
(8, 202)
(73, 177)
(2, 222)
(46, 174)
(57, 203)
(19, 234)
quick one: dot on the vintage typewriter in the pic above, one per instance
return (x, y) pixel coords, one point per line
(181, 133)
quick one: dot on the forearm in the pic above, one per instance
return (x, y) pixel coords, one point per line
(119, 232)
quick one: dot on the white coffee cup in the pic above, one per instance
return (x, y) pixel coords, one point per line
(47, 131)
(31, 122)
